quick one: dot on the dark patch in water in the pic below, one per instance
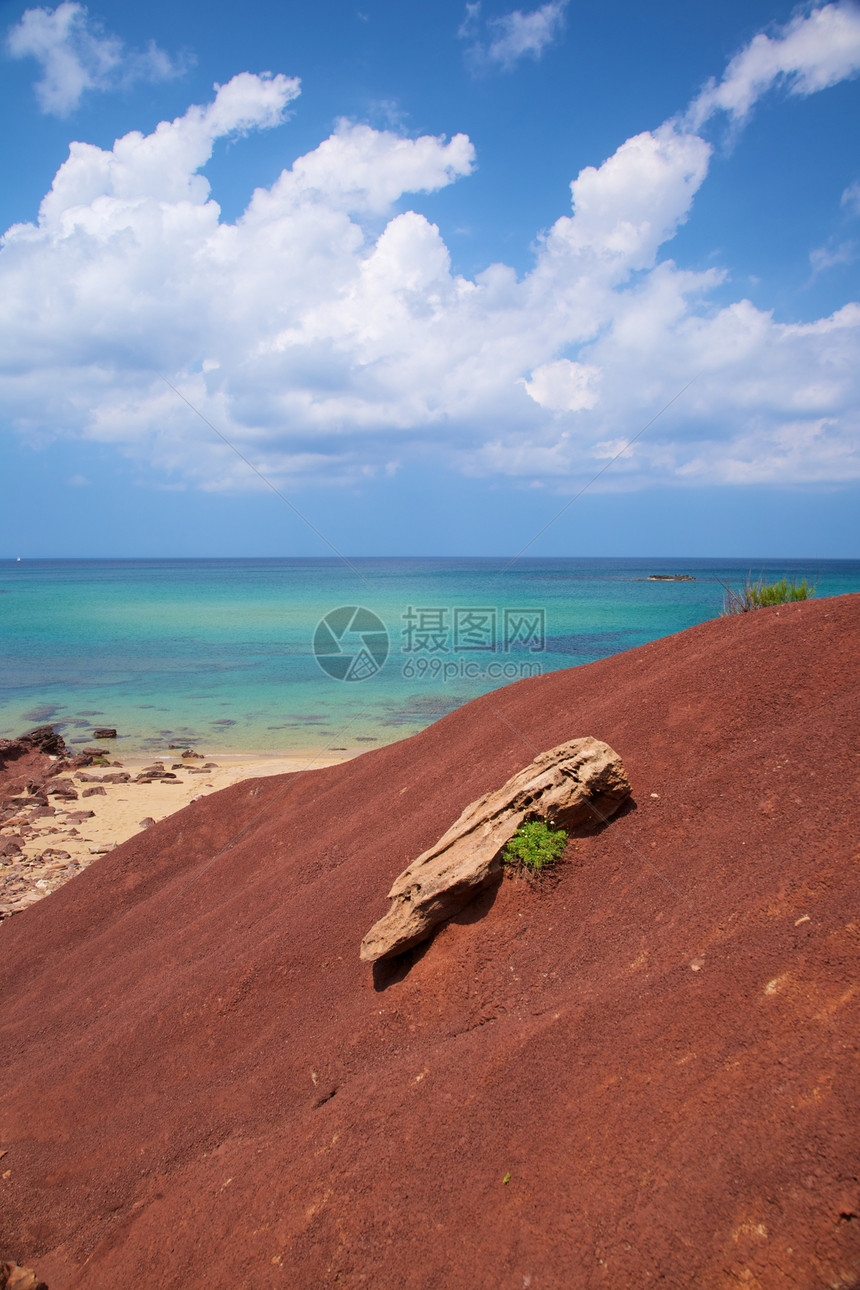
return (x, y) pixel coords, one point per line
(424, 707)
(589, 644)
(223, 721)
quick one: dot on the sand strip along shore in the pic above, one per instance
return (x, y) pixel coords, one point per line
(57, 846)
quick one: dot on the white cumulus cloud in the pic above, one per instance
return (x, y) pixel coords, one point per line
(76, 55)
(810, 53)
(326, 333)
(564, 386)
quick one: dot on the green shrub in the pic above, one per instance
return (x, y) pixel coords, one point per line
(761, 594)
(535, 846)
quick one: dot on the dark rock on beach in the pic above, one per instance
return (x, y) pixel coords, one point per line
(62, 788)
(44, 740)
(15, 803)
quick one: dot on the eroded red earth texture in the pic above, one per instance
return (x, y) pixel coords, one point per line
(642, 1073)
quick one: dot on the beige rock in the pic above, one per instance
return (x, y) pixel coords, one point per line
(12, 1277)
(580, 781)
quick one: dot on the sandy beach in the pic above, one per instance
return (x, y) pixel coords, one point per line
(62, 839)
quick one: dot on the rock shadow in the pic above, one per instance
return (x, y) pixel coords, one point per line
(597, 822)
(388, 972)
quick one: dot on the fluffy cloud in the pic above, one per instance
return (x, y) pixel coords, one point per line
(76, 55)
(325, 333)
(513, 36)
(810, 53)
(564, 386)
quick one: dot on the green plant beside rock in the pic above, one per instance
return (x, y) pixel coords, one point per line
(535, 846)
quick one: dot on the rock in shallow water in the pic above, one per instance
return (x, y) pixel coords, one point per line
(579, 781)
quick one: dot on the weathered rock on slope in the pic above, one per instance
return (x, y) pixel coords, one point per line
(578, 782)
(202, 1085)
(13, 1277)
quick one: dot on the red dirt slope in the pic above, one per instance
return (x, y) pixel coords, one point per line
(644, 1074)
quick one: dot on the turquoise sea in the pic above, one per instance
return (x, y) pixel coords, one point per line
(219, 654)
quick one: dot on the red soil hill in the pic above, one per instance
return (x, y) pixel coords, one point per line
(643, 1073)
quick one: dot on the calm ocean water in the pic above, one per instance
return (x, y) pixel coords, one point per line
(221, 653)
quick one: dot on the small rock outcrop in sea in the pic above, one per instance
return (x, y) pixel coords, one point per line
(579, 781)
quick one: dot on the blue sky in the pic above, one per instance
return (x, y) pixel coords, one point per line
(430, 267)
